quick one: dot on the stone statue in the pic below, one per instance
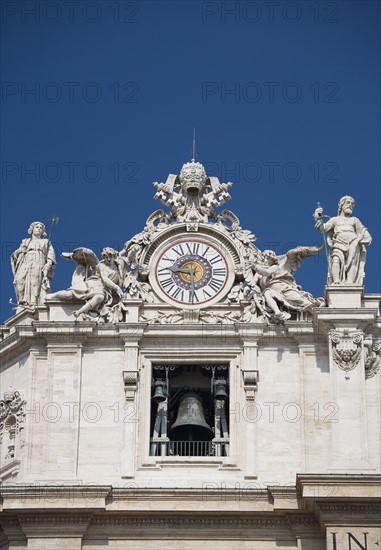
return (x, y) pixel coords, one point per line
(97, 283)
(347, 239)
(274, 277)
(32, 266)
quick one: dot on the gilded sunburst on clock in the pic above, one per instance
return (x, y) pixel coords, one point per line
(202, 271)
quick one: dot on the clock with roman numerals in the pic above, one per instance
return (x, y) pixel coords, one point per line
(192, 272)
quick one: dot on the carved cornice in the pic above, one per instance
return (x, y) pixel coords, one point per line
(215, 520)
(303, 520)
(67, 333)
(341, 508)
(57, 525)
(323, 488)
(27, 494)
(338, 479)
(206, 521)
(210, 522)
(8, 523)
(130, 493)
(54, 519)
(197, 522)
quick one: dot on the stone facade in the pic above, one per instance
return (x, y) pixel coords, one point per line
(291, 400)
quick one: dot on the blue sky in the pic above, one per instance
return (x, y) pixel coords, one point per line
(99, 99)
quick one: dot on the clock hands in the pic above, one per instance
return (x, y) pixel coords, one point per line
(191, 272)
(192, 283)
(179, 270)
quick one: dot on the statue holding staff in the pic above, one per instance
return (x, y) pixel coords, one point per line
(347, 239)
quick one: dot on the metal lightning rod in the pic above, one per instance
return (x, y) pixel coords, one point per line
(194, 146)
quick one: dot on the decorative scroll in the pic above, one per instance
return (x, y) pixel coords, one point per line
(130, 379)
(250, 381)
(372, 348)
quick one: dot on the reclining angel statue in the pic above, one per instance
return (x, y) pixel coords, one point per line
(272, 276)
(95, 282)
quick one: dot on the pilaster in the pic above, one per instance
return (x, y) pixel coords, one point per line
(344, 323)
(131, 336)
(248, 411)
(61, 412)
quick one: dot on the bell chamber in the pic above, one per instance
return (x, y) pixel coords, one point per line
(190, 410)
(190, 423)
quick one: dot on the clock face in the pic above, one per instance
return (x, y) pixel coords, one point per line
(192, 272)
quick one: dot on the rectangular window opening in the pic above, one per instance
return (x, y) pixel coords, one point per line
(190, 410)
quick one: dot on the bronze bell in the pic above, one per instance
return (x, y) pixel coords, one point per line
(220, 389)
(160, 391)
(190, 423)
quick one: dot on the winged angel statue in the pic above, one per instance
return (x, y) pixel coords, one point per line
(271, 286)
(100, 283)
